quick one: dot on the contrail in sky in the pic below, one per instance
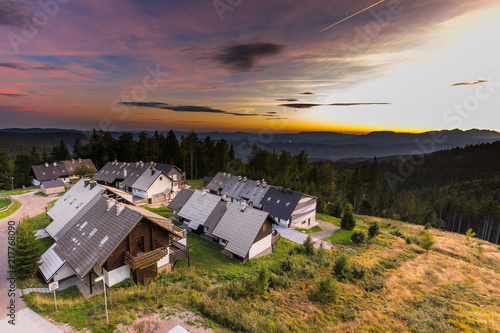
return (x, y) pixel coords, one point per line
(352, 15)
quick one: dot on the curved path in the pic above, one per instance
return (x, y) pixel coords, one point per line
(25, 319)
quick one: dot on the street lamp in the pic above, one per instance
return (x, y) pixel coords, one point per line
(12, 178)
(101, 278)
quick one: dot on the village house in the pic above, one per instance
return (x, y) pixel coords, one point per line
(289, 208)
(52, 186)
(242, 231)
(109, 238)
(145, 182)
(64, 170)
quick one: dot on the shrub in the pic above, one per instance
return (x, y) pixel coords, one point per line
(262, 282)
(468, 235)
(325, 290)
(334, 209)
(347, 222)
(340, 264)
(28, 251)
(408, 240)
(373, 283)
(358, 238)
(428, 226)
(426, 240)
(308, 246)
(373, 230)
(397, 233)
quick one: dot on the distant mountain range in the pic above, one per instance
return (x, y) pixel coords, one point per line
(318, 145)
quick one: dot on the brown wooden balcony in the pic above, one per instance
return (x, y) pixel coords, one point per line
(146, 259)
(178, 251)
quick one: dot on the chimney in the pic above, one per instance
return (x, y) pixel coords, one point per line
(203, 192)
(243, 207)
(72, 160)
(224, 174)
(136, 164)
(289, 190)
(86, 182)
(264, 184)
(258, 182)
(111, 203)
(46, 164)
(55, 163)
(119, 208)
(79, 160)
(239, 178)
(153, 170)
(245, 179)
(93, 183)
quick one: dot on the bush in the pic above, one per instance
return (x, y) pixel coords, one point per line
(373, 230)
(308, 246)
(428, 226)
(325, 290)
(426, 240)
(340, 264)
(347, 222)
(408, 240)
(373, 283)
(397, 233)
(358, 238)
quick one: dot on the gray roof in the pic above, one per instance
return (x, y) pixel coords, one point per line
(198, 208)
(53, 183)
(49, 171)
(233, 187)
(71, 165)
(207, 179)
(77, 200)
(95, 235)
(219, 181)
(253, 192)
(240, 228)
(51, 263)
(180, 199)
(129, 173)
(214, 217)
(167, 168)
(147, 178)
(280, 203)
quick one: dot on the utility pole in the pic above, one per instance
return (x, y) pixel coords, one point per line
(12, 178)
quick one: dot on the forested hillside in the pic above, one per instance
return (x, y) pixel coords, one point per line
(454, 189)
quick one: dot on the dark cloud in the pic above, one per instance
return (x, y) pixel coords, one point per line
(310, 105)
(307, 93)
(287, 100)
(25, 67)
(13, 13)
(468, 83)
(271, 112)
(183, 108)
(243, 57)
(12, 95)
(300, 105)
(209, 88)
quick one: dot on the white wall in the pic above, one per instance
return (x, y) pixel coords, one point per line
(116, 275)
(63, 273)
(165, 260)
(159, 186)
(260, 246)
(138, 193)
(183, 241)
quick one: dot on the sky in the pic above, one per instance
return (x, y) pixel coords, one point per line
(239, 65)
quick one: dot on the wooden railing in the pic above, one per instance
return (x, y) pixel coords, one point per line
(178, 251)
(145, 259)
(276, 237)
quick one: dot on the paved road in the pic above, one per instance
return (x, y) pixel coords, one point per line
(323, 234)
(299, 238)
(32, 205)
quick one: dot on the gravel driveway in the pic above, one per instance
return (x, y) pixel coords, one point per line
(32, 205)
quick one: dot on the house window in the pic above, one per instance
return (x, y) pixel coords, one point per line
(161, 178)
(139, 242)
(174, 177)
(264, 227)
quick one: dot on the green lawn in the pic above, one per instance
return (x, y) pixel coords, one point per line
(41, 194)
(328, 218)
(4, 202)
(342, 236)
(162, 211)
(46, 243)
(11, 210)
(310, 231)
(195, 184)
(18, 191)
(39, 222)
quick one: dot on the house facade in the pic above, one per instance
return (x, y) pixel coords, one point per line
(52, 186)
(110, 238)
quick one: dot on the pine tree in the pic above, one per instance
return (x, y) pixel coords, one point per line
(347, 222)
(28, 251)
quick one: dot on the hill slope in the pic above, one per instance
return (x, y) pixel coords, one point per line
(388, 285)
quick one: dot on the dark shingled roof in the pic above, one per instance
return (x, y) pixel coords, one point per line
(126, 172)
(166, 167)
(71, 165)
(82, 248)
(53, 183)
(180, 199)
(207, 179)
(280, 203)
(220, 180)
(214, 217)
(50, 171)
(233, 187)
